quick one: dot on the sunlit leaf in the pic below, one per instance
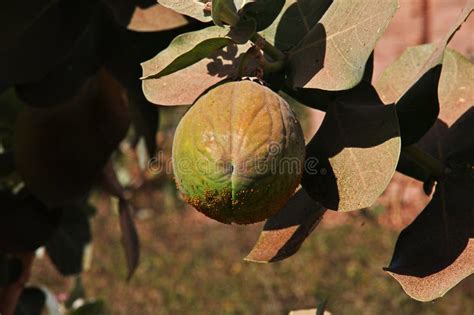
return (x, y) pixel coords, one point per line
(412, 83)
(184, 51)
(356, 150)
(436, 251)
(194, 8)
(333, 53)
(320, 99)
(284, 233)
(148, 18)
(210, 70)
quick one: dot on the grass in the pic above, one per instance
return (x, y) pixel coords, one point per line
(191, 265)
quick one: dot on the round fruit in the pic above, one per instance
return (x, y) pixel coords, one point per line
(61, 150)
(238, 153)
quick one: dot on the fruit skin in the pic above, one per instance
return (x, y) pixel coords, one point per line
(61, 150)
(233, 151)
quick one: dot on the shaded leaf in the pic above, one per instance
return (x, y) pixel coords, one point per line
(416, 94)
(264, 12)
(18, 234)
(436, 251)
(7, 163)
(46, 37)
(66, 247)
(356, 149)
(129, 237)
(295, 20)
(455, 97)
(184, 51)
(193, 8)
(223, 11)
(218, 66)
(320, 99)
(145, 119)
(145, 17)
(284, 233)
(32, 301)
(242, 31)
(69, 74)
(333, 54)
(122, 50)
(10, 270)
(103, 104)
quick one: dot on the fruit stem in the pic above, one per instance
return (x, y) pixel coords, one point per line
(232, 18)
(273, 66)
(437, 168)
(275, 53)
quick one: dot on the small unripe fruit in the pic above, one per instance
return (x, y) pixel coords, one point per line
(238, 153)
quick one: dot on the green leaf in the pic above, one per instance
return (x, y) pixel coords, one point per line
(436, 251)
(194, 8)
(415, 91)
(224, 11)
(284, 233)
(334, 52)
(185, 58)
(295, 20)
(66, 247)
(32, 301)
(201, 63)
(356, 150)
(264, 12)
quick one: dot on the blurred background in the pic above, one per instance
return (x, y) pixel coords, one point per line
(193, 265)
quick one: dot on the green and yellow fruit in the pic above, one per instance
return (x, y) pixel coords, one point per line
(238, 153)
